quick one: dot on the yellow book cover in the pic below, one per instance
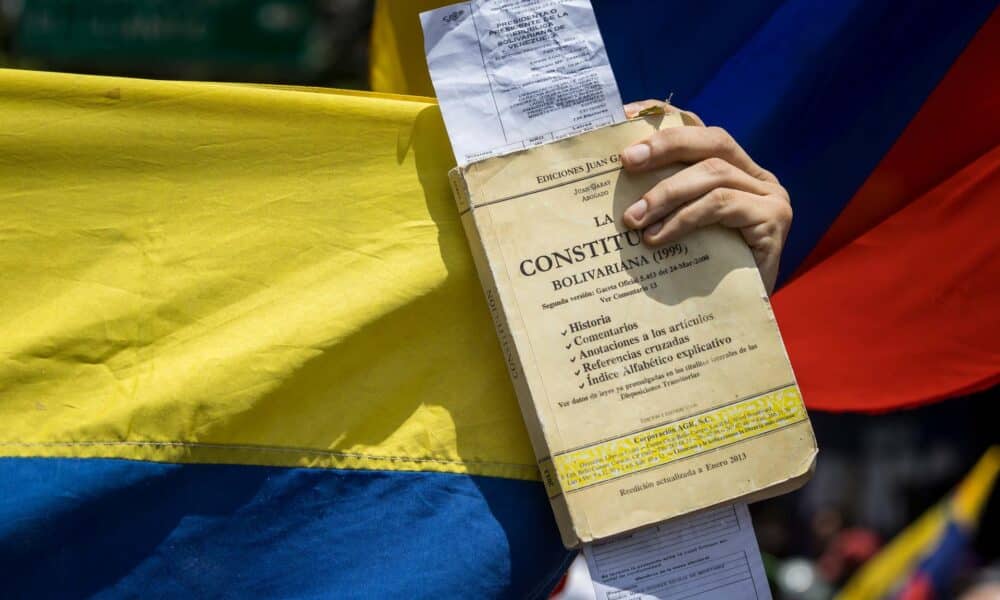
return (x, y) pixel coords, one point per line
(653, 381)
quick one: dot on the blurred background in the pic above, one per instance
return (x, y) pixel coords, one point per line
(306, 42)
(876, 473)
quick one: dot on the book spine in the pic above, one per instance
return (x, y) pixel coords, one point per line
(481, 237)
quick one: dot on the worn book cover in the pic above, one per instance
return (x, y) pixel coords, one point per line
(653, 381)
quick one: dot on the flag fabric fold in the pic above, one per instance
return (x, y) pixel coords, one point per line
(246, 352)
(864, 112)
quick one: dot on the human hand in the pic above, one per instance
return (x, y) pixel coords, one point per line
(721, 184)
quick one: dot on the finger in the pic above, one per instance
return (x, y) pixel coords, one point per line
(768, 259)
(688, 184)
(632, 109)
(690, 144)
(736, 209)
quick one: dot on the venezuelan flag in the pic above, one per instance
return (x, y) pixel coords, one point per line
(245, 352)
(923, 561)
(880, 119)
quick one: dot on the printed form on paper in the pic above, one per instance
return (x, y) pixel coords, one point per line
(515, 74)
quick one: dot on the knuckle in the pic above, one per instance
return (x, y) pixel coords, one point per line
(658, 144)
(770, 177)
(721, 197)
(784, 212)
(684, 221)
(779, 206)
(660, 138)
(778, 219)
(716, 166)
(659, 195)
(678, 139)
(784, 195)
(722, 142)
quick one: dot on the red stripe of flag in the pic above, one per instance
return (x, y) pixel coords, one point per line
(899, 305)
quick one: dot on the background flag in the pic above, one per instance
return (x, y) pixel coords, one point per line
(881, 123)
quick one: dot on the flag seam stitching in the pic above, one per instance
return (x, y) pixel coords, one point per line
(162, 445)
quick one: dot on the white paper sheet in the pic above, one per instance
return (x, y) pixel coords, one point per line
(510, 74)
(712, 555)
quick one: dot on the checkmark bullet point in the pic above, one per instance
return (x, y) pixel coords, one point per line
(577, 372)
(565, 332)
(581, 386)
(568, 346)
(572, 359)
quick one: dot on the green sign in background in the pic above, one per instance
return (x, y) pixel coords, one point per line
(232, 35)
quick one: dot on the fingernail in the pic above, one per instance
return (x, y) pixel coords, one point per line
(631, 108)
(636, 155)
(637, 210)
(654, 229)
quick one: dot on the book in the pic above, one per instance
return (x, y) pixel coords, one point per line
(652, 380)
